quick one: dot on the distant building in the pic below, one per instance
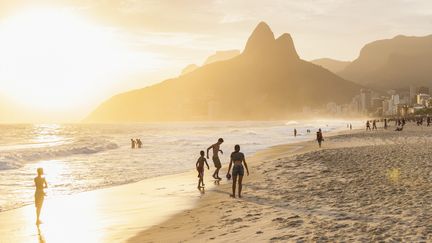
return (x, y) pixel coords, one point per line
(423, 90)
(423, 99)
(412, 94)
(365, 100)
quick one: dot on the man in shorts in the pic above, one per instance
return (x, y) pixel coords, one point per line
(216, 160)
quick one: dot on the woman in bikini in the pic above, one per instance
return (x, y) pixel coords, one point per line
(238, 159)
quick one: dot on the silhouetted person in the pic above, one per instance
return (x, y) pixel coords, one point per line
(368, 126)
(215, 158)
(40, 184)
(374, 126)
(385, 123)
(200, 168)
(295, 132)
(138, 142)
(238, 159)
(133, 143)
(319, 137)
(350, 126)
(428, 121)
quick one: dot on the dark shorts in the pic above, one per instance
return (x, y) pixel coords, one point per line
(216, 162)
(39, 199)
(238, 170)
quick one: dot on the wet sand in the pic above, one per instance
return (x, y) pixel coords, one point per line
(360, 187)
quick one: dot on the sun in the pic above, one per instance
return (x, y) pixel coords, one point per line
(55, 59)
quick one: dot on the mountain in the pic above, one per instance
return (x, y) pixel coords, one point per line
(189, 68)
(218, 56)
(266, 81)
(334, 66)
(221, 56)
(393, 63)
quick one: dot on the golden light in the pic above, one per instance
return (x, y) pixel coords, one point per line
(53, 59)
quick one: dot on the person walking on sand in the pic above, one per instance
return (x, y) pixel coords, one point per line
(215, 158)
(368, 125)
(295, 132)
(319, 137)
(238, 159)
(200, 168)
(350, 126)
(385, 123)
(374, 126)
(40, 184)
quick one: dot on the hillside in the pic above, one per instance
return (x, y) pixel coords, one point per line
(267, 80)
(393, 63)
(332, 65)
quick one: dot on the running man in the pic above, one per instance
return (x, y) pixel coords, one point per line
(215, 158)
(40, 184)
(200, 168)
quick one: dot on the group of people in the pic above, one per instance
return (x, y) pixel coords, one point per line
(136, 143)
(237, 163)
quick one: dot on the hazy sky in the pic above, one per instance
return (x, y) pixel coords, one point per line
(103, 47)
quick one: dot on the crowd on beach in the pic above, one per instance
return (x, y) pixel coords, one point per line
(399, 123)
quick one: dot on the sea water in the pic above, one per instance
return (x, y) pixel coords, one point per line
(82, 157)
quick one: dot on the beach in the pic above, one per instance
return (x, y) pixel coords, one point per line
(363, 186)
(360, 186)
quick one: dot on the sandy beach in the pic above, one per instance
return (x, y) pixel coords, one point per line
(361, 186)
(364, 186)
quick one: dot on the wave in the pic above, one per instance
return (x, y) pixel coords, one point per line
(16, 158)
(289, 123)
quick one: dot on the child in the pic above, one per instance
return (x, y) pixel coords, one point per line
(200, 168)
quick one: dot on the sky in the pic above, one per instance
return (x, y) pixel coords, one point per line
(60, 59)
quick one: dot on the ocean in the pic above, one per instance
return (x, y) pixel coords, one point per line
(83, 157)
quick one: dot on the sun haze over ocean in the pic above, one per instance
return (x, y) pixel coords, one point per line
(60, 59)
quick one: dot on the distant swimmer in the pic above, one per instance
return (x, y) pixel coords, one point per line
(138, 142)
(319, 137)
(133, 143)
(215, 158)
(295, 132)
(40, 184)
(200, 168)
(238, 159)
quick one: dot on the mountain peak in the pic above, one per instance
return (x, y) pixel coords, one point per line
(261, 37)
(286, 46)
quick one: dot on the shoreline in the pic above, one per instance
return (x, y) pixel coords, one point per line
(157, 232)
(111, 209)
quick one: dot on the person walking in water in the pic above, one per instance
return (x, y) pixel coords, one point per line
(238, 159)
(40, 184)
(215, 158)
(200, 168)
(295, 132)
(133, 143)
(319, 137)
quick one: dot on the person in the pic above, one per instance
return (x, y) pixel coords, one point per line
(138, 142)
(374, 126)
(238, 159)
(368, 125)
(350, 126)
(132, 143)
(215, 158)
(385, 123)
(200, 168)
(428, 120)
(295, 132)
(319, 137)
(40, 184)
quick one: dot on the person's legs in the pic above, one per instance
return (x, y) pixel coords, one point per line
(240, 186)
(234, 185)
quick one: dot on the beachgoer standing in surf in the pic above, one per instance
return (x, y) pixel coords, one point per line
(40, 184)
(215, 158)
(238, 159)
